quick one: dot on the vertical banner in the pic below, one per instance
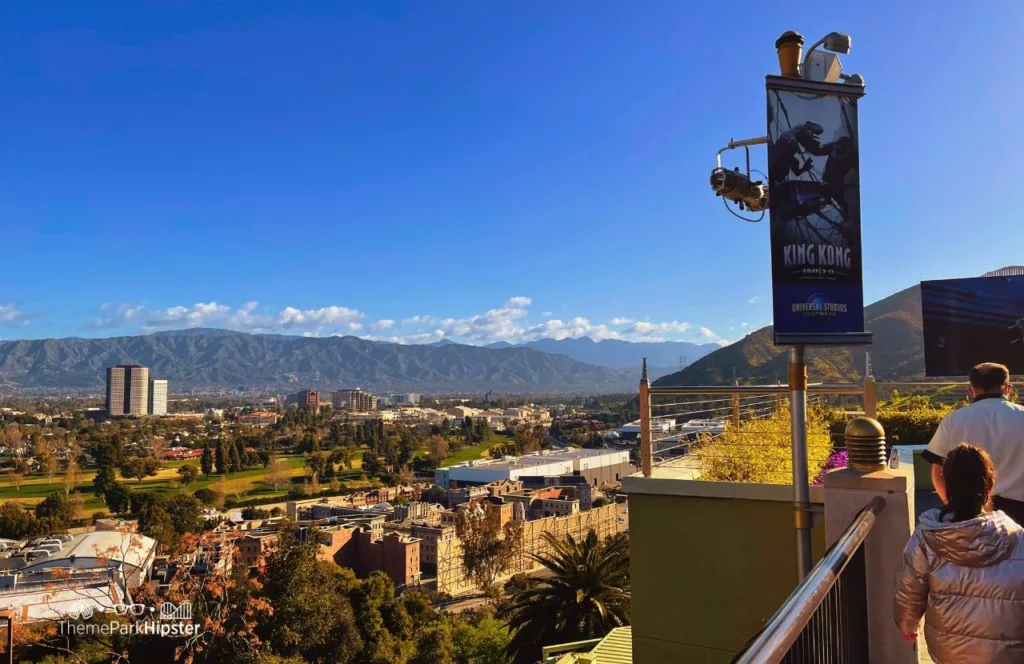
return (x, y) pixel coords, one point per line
(814, 194)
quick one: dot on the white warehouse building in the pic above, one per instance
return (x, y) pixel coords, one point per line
(599, 466)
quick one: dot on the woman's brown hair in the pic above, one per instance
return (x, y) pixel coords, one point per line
(970, 478)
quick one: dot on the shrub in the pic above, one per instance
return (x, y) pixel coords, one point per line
(209, 497)
(760, 450)
(254, 513)
(915, 426)
(836, 460)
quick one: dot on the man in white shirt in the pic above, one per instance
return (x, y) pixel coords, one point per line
(996, 425)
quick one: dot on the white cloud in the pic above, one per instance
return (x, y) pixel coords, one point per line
(545, 313)
(9, 315)
(110, 315)
(499, 324)
(706, 333)
(418, 337)
(744, 324)
(755, 299)
(200, 314)
(247, 318)
(572, 329)
(332, 315)
(511, 322)
(648, 331)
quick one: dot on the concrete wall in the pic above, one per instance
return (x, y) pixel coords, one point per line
(708, 571)
(450, 572)
(610, 474)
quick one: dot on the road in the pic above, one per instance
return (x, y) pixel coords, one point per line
(554, 442)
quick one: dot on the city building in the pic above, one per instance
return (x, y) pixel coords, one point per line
(309, 400)
(157, 397)
(129, 553)
(599, 466)
(615, 647)
(441, 549)
(357, 544)
(127, 390)
(420, 511)
(407, 399)
(357, 400)
(260, 418)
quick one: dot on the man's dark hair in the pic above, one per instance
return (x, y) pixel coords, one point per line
(989, 376)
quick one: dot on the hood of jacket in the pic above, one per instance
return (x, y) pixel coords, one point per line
(979, 542)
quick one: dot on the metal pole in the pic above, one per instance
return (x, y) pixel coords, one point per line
(9, 617)
(735, 407)
(646, 447)
(870, 398)
(798, 427)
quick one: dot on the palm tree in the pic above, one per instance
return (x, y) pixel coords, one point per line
(585, 597)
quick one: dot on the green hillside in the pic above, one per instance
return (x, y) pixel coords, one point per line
(896, 354)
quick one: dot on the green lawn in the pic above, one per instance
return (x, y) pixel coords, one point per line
(249, 482)
(475, 452)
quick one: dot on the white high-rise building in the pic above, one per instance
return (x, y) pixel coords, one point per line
(128, 390)
(158, 397)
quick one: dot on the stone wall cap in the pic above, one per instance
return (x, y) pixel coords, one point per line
(637, 484)
(880, 480)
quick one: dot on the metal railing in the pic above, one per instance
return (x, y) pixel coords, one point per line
(666, 415)
(825, 618)
(665, 411)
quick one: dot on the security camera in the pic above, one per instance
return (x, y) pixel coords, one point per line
(739, 188)
(837, 42)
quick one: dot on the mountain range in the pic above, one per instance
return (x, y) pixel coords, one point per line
(621, 354)
(203, 357)
(209, 357)
(896, 354)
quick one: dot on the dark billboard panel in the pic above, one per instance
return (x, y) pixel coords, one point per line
(969, 321)
(814, 193)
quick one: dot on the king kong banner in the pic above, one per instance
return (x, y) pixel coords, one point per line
(970, 321)
(814, 193)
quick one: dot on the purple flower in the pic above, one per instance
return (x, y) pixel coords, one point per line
(835, 460)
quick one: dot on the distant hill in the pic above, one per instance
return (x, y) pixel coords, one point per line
(623, 354)
(896, 354)
(205, 357)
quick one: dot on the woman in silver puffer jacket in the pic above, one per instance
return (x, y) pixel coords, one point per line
(963, 570)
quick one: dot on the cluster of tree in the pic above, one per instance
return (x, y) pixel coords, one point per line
(302, 609)
(302, 417)
(167, 519)
(475, 433)
(579, 433)
(488, 548)
(55, 514)
(585, 594)
(529, 438)
(230, 456)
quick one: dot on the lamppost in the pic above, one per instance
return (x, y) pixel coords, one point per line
(811, 193)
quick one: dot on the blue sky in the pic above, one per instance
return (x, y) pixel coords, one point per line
(474, 170)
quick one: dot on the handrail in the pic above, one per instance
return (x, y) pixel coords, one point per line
(813, 388)
(775, 640)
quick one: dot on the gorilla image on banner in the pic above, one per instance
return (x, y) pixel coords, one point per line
(814, 193)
